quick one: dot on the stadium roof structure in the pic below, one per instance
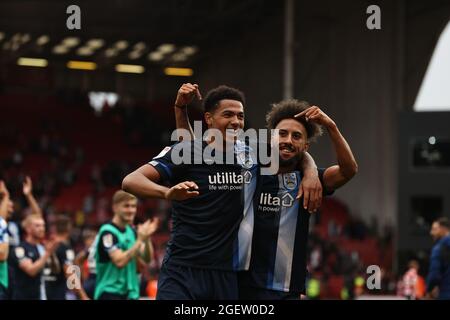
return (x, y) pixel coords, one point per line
(138, 31)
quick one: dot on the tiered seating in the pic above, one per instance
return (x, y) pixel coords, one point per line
(100, 138)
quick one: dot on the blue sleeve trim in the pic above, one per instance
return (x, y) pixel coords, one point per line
(166, 172)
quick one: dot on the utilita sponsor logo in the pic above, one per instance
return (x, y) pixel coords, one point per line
(270, 203)
(267, 199)
(230, 178)
(228, 181)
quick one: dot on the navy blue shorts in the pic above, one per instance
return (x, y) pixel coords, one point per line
(186, 283)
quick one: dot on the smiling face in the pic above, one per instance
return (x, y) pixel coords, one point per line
(229, 114)
(126, 210)
(437, 231)
(10, 209)
(293, 141)
(36, 228)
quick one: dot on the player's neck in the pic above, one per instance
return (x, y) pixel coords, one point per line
(63, 237)
(221, 146)
(32, 240)
(119, 222)
(287, 169)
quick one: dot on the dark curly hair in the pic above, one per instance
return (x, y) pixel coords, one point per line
(287, 109)
(213, 97)
(443, 222)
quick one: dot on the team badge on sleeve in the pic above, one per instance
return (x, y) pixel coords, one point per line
(20, 252)
(3, 231)
(107, 241)
(3, 224)
(70, 255)
(163, 152)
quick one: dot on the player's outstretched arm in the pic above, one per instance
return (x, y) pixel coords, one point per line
(338, 175)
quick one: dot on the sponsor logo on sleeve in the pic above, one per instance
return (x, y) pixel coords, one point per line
(20, 252)
(107, 241)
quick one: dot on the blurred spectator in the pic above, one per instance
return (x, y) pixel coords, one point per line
(438, 280)
(412, 283)
(85, 259)
(313, 287)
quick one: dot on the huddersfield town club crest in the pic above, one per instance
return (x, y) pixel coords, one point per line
(245, 159)
(290, 180)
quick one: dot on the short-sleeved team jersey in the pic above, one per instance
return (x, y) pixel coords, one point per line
(25, 286)
(205, 230)
(280, 234)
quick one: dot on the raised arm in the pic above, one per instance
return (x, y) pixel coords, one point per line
(185, 95)
(28, 192)
(337, 175)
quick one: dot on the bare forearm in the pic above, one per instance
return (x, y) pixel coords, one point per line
(122, 258)
(80, 258)
(35, 267)
(147, 253)
(182, 120)
(345, 158)
(33, 204)
(308, 165)
(138, 184)
(4, 252)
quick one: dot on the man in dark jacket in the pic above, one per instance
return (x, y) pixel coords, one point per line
(439, 272)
